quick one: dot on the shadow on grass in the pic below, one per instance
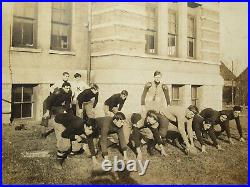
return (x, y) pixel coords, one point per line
(104, 177)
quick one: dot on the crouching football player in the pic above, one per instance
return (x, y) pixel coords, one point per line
(102, 127)
(231, 115)
(69, 130)
(181, 117)
(151, 127)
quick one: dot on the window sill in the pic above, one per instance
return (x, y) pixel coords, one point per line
(62, 52)
(29, 50)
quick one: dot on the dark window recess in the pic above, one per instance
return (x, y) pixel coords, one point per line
(61, 26)
(22, 97)
(24, 25)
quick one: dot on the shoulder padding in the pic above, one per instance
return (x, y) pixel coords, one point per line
(148, 84)
(164, 87)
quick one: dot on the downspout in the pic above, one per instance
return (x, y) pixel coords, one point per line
(89, 42)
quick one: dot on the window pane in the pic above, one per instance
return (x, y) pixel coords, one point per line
(171, 45)
(17, 34)
(60, 36)
(194, 92)
(23, 30)
(191, 48)
(172, 23)
(175, 93)
(27, 94)
(16, 111)
(26, 10)
(17, 94)
(28, 34)
(61, 12)
(26, 110)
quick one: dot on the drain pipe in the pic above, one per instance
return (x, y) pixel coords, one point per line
(89, 42)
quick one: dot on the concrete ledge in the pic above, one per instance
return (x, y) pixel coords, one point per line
(119, 53)
(62, 52)
(29, 50)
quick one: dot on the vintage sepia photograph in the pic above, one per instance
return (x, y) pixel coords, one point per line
(125, 93)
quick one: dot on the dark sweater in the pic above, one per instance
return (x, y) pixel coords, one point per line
(198, 127)
(73, 125)
(155, 131)
(86, 96)
(225, 124)
(59, 99)
(114, 101)
(104, 126)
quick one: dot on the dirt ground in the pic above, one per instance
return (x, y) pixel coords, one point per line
(215, 167)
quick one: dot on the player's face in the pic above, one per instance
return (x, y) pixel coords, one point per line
(78, 78)
(94, 91)
(151, 120)
(66, 77)
(206, 126)
(223, 118)
(123, 96)
(66, 89)
(236, 114)
(157, 78)
(119, 123)
(88, 130)
(189, 114)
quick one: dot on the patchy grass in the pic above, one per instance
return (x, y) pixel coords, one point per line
(216, 167)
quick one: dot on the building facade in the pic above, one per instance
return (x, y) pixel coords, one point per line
(119, 45)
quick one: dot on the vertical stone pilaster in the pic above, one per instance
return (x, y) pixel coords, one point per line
(40, 93)
(44, 25)
(182, 30)
(185, 95)
(162, 29)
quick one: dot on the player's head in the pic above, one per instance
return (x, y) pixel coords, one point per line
(66, 87)
(65, 76)
(77, 76)
(237, 110)
(152, 117)
(94, 88)
(191, 111)
(157, 76)
(124, 94)
(223, 116)
(119, 119)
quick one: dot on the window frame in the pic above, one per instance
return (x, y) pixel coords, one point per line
(34, 29)
(193, 38)
(195, 100)
(151, 31)
(176, 101)
(24, 102)
(69, 25)
(175, 35)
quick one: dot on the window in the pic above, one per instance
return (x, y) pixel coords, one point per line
(176, 95)
(151, 29)
(22, 98)
(61, 26)
(191, 37)
(172, 34)
(194, 95)
(24, 25)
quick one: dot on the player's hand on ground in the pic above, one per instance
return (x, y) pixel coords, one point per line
(242, 139)
(163, 153)
(231, 141)
(203, 149)
(219, 148)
